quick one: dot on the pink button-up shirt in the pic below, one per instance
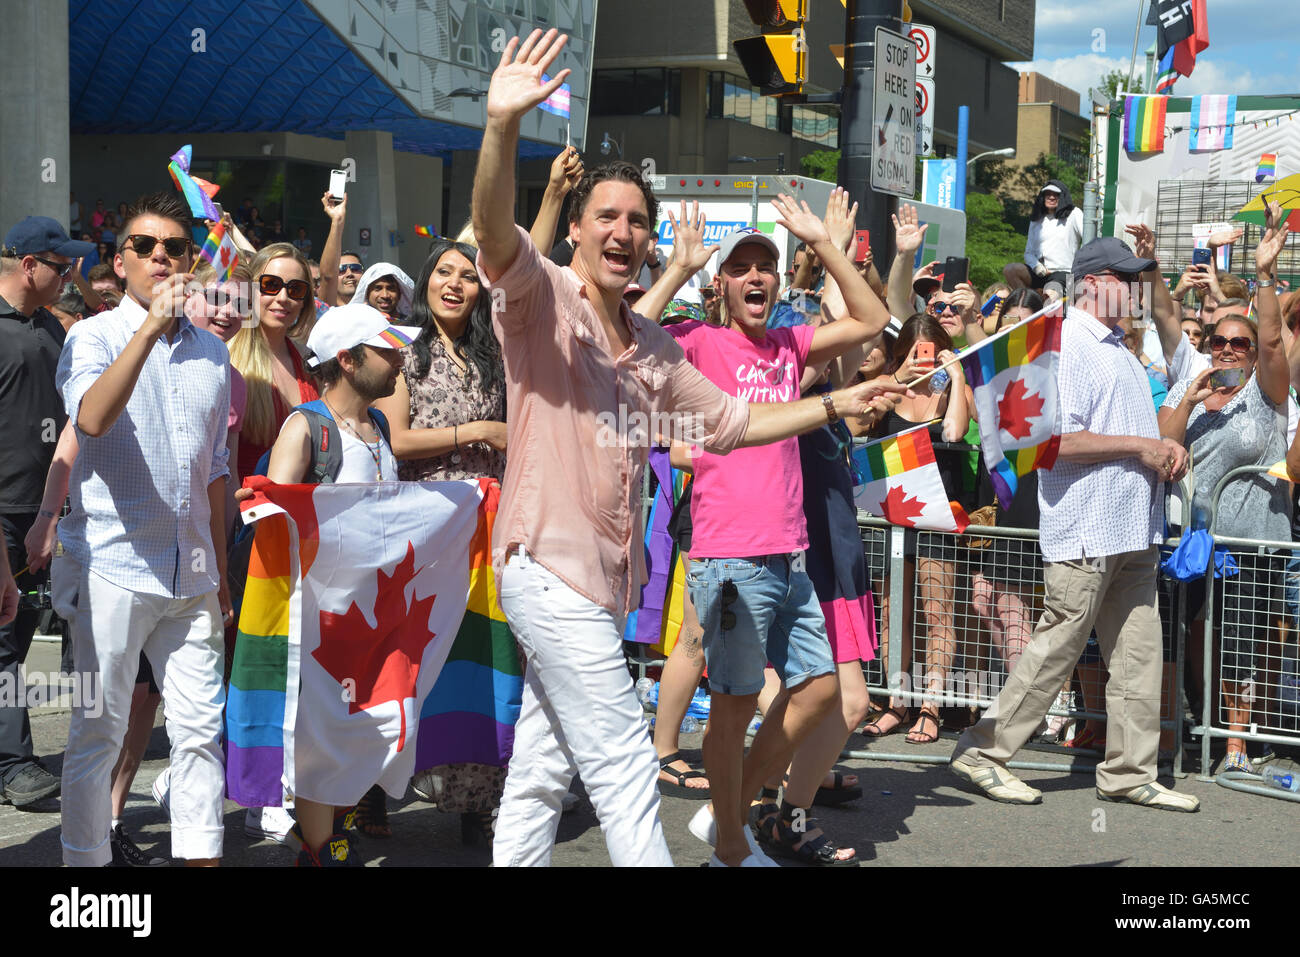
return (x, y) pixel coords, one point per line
(575, 454)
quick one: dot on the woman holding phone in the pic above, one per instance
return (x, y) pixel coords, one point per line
(1231, 414)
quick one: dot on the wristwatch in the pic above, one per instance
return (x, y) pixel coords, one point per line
(1265, 283)
(831, 415)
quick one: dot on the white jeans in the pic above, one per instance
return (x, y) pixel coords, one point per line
(579, 713)
(182, 638)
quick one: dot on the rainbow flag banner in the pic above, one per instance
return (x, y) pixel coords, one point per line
(901, 483)
(198, 193)
(219, 249)
(1013, 377)
(355, 595)
(427, 231)
(1144, 123)
(469, 716)
(1267, 168)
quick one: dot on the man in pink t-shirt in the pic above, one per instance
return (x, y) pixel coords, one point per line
(747, 576)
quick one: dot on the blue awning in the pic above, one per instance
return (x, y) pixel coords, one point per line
(266, 66)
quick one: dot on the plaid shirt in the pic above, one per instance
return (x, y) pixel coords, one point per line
(140, 514)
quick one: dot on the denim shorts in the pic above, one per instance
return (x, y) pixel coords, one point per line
(777, 619)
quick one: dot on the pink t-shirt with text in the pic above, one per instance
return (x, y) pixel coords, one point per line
(749, 502)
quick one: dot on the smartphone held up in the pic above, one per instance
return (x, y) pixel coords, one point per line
(338, 185)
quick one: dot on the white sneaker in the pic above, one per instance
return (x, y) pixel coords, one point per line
(268, 823)
(997, 783)
(162, 790)
(703, 826)
(1154, 795)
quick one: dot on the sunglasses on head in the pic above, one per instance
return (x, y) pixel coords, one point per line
(61, 268)
(351, 267)
(1238, 343)
(175, 247)
(271, 286)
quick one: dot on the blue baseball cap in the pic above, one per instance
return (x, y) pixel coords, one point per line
(37, 234)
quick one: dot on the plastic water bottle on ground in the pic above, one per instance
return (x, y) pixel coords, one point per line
(644, 687)
(1286, 780)
(690, 725)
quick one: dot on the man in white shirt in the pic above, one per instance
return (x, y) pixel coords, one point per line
(149, 393)
(1101, 516)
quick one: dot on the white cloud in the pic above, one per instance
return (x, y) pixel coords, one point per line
(1077, 72)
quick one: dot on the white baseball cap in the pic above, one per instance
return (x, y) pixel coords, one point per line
(741, 236)
(344, 327)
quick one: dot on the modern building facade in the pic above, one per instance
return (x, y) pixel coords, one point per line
(1050, 123)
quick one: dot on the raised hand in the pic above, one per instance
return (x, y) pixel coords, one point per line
(840, 218)
(336, 212)
(1276, 230)
(908, 236)
(963, 297)
(1223, 237)
(566, 170)
(688, 238)
(800, 220)
(1144, 240)
(1195, 276)
(517, 85)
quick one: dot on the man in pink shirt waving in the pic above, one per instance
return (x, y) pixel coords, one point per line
(567, 549)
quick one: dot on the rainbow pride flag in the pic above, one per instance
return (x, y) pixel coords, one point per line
(901, 483)
(219, 249)
(469, 716)
(427, 231)
(1144, 123)
(198, 193)
(1267, 168)
(1013, 377)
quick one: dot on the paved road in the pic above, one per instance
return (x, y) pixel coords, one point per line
(910, 814)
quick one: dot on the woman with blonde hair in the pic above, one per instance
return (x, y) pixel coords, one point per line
(265, 352)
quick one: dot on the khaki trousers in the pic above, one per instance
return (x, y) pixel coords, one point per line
(1117, 596)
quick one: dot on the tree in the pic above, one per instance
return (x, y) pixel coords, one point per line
(991, 242)
(1112, 81)
(822, 164)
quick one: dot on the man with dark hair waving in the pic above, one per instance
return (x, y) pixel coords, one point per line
(567, 548)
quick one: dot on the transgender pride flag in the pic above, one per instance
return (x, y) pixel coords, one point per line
(557, 102)
(1213, 119)
(1013, 375)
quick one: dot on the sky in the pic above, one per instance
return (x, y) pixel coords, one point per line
(1250, 51)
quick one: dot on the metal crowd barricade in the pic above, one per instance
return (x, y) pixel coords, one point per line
(1264, 586)
(967, 577)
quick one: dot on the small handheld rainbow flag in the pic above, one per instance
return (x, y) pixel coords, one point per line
(1144, 123)
(428, 231)
(219, 249)
(1267, 168)
(901, 483)
(198, 193)
(1013, 376)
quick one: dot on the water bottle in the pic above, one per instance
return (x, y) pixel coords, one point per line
(754, 725)
(690, 725)
(1286, 780)
(644, 688)
(939, 381)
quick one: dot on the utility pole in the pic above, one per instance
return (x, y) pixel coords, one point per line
(857, 144)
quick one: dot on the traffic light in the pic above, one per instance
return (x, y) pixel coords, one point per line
(776, 61)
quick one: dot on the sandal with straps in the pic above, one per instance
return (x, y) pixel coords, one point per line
(838, 793)
(781, 838)
(764, 810)
(920, 736)
(874, 729)
(681, 788)
(371, 814)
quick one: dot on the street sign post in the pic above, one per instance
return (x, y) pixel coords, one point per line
(894, 114)
(924, 116)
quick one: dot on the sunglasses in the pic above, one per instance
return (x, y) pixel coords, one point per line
(941, 307)
(271, 286)
(729, 596)
(176, 247)
(217, 297)
(351, 267)
(63, 269)
(1238, 343)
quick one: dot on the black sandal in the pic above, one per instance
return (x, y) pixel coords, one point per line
(477, 828)
(765, 810)
(835, 795)
(371, 814)
(681, 789)
(779, 836)
(874, 730)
